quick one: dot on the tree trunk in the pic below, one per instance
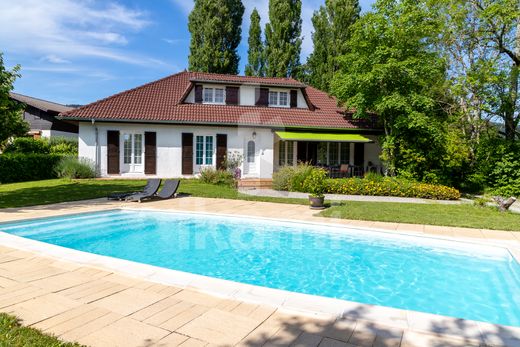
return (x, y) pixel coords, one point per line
(510, 121)
(503, 204)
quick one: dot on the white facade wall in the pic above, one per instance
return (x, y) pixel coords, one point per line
(169, 146)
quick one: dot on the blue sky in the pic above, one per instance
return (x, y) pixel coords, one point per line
(78, 51)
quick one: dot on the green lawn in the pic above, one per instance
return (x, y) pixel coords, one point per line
(60, 190)
(465, 215)
(12, 334)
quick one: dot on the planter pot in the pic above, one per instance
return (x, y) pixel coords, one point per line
(317, 203)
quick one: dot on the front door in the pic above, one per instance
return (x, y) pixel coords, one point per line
(250, 160)
(133, 149)
(204, 151)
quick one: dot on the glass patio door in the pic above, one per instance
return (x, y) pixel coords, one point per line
(204, 152)
(133, 148)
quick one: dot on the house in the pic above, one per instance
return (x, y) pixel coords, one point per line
(41, 116)
(178, 125)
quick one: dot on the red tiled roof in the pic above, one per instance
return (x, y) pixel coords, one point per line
(267, 81)
(162, 101)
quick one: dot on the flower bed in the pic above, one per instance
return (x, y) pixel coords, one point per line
(390, 186)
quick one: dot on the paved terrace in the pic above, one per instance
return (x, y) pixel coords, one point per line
(99, 307)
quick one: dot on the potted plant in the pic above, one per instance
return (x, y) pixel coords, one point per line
(315, 185)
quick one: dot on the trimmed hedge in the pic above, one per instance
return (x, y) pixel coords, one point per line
(391, 186)
(27, 167)
(293, 179)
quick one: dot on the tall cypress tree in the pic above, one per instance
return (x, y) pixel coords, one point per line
(215, 27)
(255, 53)
(332, 27)
(283, 38)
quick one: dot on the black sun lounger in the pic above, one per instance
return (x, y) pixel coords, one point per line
(152, 185)
(168, 191)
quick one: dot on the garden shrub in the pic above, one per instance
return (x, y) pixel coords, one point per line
(505, 177)
(28, 145)
(64, 145)
(56, 145)
(292, 178)
(73, 167)
(213, 176)
(16, 167)
(282, 178)
(391, 186)
(315, 182)
(289, 178)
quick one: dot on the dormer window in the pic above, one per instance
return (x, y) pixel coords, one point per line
(213, 96)
(278, 99)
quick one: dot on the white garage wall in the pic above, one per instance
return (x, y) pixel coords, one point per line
(169, 137)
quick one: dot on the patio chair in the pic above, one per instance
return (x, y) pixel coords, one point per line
(151, 191)
(168, 191)
(343, 170)
(152, 185)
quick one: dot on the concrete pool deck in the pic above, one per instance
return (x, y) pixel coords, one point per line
(97, 305)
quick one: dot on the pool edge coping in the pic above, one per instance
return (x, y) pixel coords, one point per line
(292, 302)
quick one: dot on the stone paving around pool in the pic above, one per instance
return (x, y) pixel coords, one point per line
(97, 306)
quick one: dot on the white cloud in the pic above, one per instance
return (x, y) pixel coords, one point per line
(52, 58)
(69, 29)
(107, 38)
(172, 41)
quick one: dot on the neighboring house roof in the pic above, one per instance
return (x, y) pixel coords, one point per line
(43, 105)
(163, 101)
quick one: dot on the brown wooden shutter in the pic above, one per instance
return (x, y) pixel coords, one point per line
(232, 95)
(294, 98)
(198, 94)
(187, 153)
(221, 150)
(359, 154)
(113, 152)
(261, 96)
(150, 152)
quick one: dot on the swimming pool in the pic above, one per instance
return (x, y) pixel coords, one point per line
(449, 278)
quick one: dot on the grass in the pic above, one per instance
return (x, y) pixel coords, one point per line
(12, 334)
(62, 190)
(464, 215)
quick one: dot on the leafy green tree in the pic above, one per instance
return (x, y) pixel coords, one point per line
(11, 121)
(500, 30)
(478, 39)
(393, 69)
(215, 27)
(255, 53)
(283, 38)
(332, 24)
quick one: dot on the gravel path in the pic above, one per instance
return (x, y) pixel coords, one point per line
(340, 197)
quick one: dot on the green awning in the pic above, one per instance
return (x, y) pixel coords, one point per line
(318, 137)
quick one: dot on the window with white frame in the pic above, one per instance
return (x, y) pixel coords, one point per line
(278, 99)
(204, 150)
(286, 153)
(213, 96)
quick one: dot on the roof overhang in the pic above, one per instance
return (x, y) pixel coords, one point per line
(321, 137)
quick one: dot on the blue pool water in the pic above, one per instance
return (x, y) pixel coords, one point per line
(448, 278)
